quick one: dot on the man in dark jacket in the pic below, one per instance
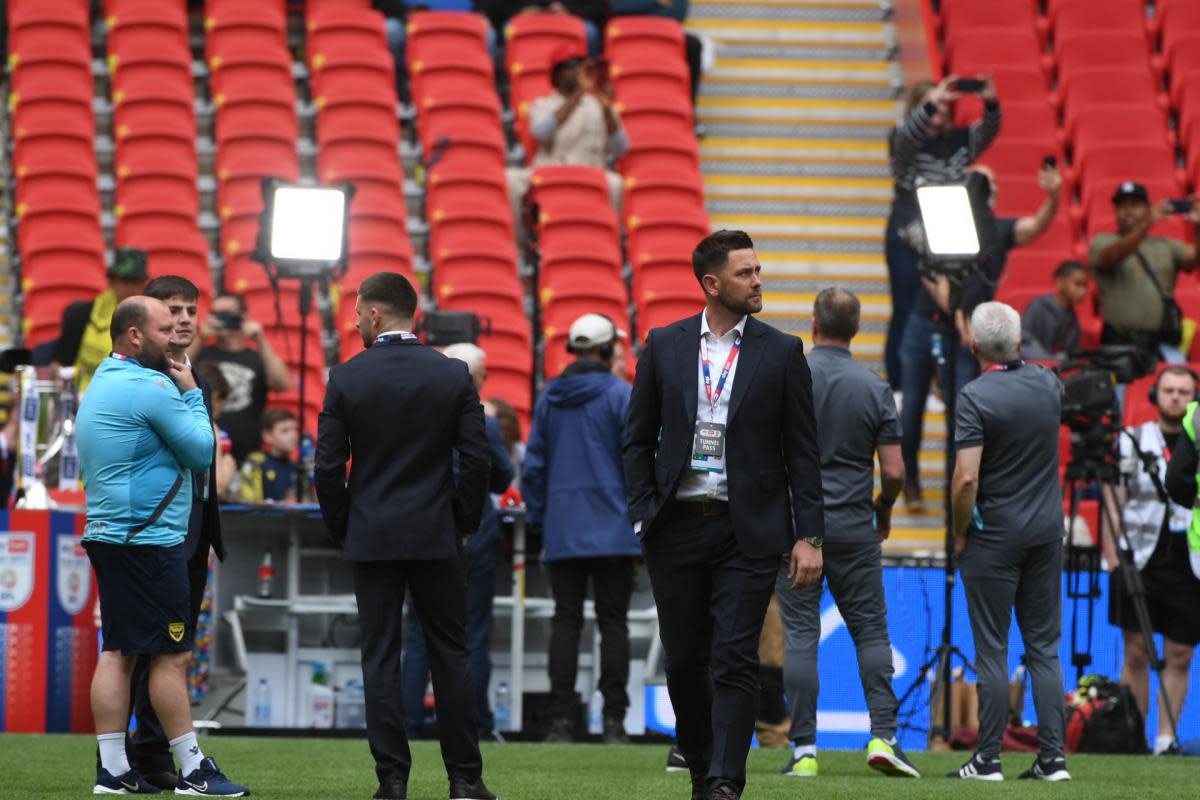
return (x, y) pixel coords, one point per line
(402, 413)
(574, 489)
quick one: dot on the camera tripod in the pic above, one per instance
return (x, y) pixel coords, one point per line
(1093, 466)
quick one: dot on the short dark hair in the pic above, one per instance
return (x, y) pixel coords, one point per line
(128, 314)
(167, 286)
(1067, 267)
(837, 312)
(212, 375)
(273, 416)
(713, 251)
(241, 301)
(916, 92)
(392, 291)
(1176, 369)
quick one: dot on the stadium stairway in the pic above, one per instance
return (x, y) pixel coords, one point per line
(796, 109)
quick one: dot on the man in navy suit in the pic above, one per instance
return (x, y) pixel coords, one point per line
(723, 475)
(401, 411)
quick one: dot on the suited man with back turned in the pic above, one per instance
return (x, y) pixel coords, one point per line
(400, 411)
(723, 475)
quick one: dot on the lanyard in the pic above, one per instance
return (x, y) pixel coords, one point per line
(1011, 365)
(387, 338)
(715, 396)
(130, 359)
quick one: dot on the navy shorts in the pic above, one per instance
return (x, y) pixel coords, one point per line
(144, 597)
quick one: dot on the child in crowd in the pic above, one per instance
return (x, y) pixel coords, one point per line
(269, 475)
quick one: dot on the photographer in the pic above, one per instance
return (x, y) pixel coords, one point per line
(1158, 535)
(576, 124)
(1008, 536)
(932, 316)
(249, 372)
(1136, 272)
(925, 147)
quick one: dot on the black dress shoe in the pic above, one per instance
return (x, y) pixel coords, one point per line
(724, 792)
(462, 789)
(699, 786)
(393, 789)
(164, 779)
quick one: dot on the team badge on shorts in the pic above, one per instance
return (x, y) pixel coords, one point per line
(176, 631)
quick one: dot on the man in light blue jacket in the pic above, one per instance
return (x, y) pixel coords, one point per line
(574, 488)
(142, 429)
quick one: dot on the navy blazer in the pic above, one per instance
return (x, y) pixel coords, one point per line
(401, 411)
(771, 455)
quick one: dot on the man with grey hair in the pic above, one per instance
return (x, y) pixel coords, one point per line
(1008, 536)
(856, 415)
(482, 552)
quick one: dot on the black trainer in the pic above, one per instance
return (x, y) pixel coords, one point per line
(562, 731)
(164, 779)
(461, 789)
(614, 730)
(675, 760)
(1054, 770)
(977, 769)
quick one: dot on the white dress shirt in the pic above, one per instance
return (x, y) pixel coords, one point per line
(695, 484)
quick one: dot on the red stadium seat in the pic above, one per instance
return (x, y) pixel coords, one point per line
(601, 267)
(959, 16)
(337, 28)
(463, 74)
(467, 225)
(481, 150)
(594, 228)
(1028, 120)
(1189, 109)
(66, 72)
(1109, 49)
(663, 310)
(566, 302)
(560, 187)
(1013, 157)
(36, 222)
(1180, 21)
(65, 253)
(1120, 90)
(665, 78)
(47, 146)
(185, 254)
(1184, 64)
(1033, 269)
(346, 115)
(432, 34)
(351, 158)
(450, 117)
(1115, 163)
(48, 28)
(665, 114)
(643, 38)
(447, 188)
(265, 71)
(242, 27)
(664, 233)
(994, 46)
(658, 153)
(52, 110)
(142, 24)
(1069, 17)
(655, 194)
(45, 182)
(370, 70)
(1096, 127)
(255, 117)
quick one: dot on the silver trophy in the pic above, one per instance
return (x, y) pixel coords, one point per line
(46, 400)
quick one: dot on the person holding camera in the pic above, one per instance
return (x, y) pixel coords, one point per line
(574, 488)
(576, 124)
(1135, 275)
(250, 372)
(1157, 533)
(1008, 536)
(927, 148)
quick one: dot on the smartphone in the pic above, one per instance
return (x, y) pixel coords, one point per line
(601, 78)
(1049, 162)
(1180, 206)
(231, 322)
(968, 85)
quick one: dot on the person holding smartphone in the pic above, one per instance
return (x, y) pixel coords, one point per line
(576, 124)
(250, 371)
(1135, 274)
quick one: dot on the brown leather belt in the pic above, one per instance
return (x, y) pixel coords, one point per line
(702, 508)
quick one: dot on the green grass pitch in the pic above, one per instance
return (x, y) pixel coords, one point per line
(35, 767)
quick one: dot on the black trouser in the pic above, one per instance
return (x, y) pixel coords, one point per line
(999, 579)
(612, 585)
(439, 595)
(711, 601)
(147, 747)
(693, 51)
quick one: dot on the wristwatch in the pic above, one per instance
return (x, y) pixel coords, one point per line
(814, 541)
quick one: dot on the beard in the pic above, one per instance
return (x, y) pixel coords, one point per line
(742, 306)
(154, 359)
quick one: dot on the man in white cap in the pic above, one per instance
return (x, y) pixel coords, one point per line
(574, 488)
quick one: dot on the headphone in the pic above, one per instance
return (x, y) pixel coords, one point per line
(606, 351)
(1153, 393)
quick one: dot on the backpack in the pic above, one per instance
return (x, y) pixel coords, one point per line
(1103, 717)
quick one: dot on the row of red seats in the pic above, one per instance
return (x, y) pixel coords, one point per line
(663, 202)
(470, 229)
(54, 162)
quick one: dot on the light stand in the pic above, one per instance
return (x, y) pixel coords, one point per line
(956, 221)
(304, 234)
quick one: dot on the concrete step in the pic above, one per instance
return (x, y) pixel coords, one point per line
(774, 30)
(878, 115)
(776, 152)
(786, 226)
(839, 74)
(797, 10)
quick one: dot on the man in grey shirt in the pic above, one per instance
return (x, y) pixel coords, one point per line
(856, 417)
(1008, 536)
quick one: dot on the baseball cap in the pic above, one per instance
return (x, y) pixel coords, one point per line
(566, 52)
(591, 331)
(129, 263)
(1128, 190)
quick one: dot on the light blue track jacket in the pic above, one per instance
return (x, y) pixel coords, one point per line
(136, 434)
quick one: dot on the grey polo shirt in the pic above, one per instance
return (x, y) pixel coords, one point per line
(855, 414)
(1014, 414)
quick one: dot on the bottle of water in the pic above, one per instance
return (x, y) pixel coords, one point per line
(308, 462)
(503, 707)
(266, 575)
(262, 704)
(596, 713)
